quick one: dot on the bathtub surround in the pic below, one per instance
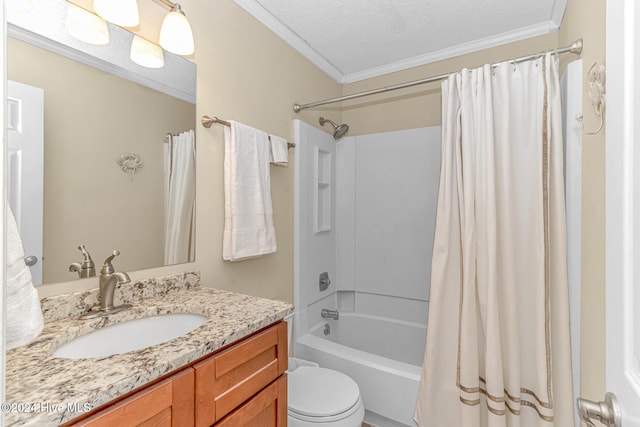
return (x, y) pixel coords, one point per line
(382, 190)
(571, 84)
(248, 213)
(385, 208)
(498, 331)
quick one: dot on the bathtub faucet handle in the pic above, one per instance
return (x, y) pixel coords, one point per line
(329, 314)
(324, 281)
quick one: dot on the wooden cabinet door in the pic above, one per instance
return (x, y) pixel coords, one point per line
(167, 403)
(227, 379)
(266, 409)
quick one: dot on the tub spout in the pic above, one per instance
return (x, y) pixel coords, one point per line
(329, 314)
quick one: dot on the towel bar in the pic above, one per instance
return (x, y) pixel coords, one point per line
(208, 121)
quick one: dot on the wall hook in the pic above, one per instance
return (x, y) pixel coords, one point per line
(596, 88)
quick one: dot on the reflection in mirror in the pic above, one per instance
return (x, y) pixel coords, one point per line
(116, 163)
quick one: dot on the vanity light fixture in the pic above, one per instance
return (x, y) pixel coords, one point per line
(119, 12)
(146, 53)
(85, 26)
(176, 35)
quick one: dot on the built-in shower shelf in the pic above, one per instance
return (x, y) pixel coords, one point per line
(323, 191)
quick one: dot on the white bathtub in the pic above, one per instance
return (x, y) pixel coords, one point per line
(384, 356)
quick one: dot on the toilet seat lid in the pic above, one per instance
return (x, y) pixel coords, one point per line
(320, 392)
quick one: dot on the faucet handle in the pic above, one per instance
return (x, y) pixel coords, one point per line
(107, 266)
(114, 254)
(86, 261)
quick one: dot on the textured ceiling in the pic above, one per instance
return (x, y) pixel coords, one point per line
(356, 39)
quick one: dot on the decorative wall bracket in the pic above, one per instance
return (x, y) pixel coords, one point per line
(129, 163)
(596, 88)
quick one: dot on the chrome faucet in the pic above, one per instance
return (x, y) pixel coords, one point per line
(109, 278)
(329, 314)
(85, 269)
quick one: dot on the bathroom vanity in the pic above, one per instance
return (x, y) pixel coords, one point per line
(244, 383)
(227, 372)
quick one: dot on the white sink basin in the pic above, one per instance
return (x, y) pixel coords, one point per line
(129, 336)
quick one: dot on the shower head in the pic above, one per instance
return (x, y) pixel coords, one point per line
(338, 130)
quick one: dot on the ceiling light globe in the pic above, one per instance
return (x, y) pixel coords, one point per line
(146, 53)
(175, 34)
(119, 12)
(85, 26)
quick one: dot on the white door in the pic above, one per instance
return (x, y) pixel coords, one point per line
(25, 129)
(623, 207)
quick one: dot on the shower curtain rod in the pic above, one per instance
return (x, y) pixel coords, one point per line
(575, 47)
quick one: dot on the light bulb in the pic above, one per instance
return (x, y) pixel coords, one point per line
(119, 12)
(85, 26)
(146, 53)
(175, 34)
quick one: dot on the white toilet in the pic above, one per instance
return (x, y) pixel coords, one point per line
(323, 397)
(320, 397)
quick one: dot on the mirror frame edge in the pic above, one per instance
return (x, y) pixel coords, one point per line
(3, 222)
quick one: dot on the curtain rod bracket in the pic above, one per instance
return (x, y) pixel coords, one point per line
(576, 47)
(208, 121)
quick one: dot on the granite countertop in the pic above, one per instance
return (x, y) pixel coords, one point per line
(42, 390)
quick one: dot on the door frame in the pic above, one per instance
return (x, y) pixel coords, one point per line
(623, 99)
(3, 219)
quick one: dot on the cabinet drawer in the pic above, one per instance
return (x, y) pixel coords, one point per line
(167, 403)
(227, 379)
(266, 409)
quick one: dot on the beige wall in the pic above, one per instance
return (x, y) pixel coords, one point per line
(586, 19)
(91, 118)
(248, 74)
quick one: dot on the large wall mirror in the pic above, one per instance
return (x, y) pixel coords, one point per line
(112, 164)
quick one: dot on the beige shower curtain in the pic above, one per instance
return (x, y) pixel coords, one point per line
(498, 329)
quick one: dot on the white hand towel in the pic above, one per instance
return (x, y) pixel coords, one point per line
(279, 150)
(248, 219)
(24, 314)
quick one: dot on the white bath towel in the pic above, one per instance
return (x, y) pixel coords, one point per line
(279, 150)
(248, 219)
(24, 314)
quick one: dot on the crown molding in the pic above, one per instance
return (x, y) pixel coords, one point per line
(461, 49)
(294, 40)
